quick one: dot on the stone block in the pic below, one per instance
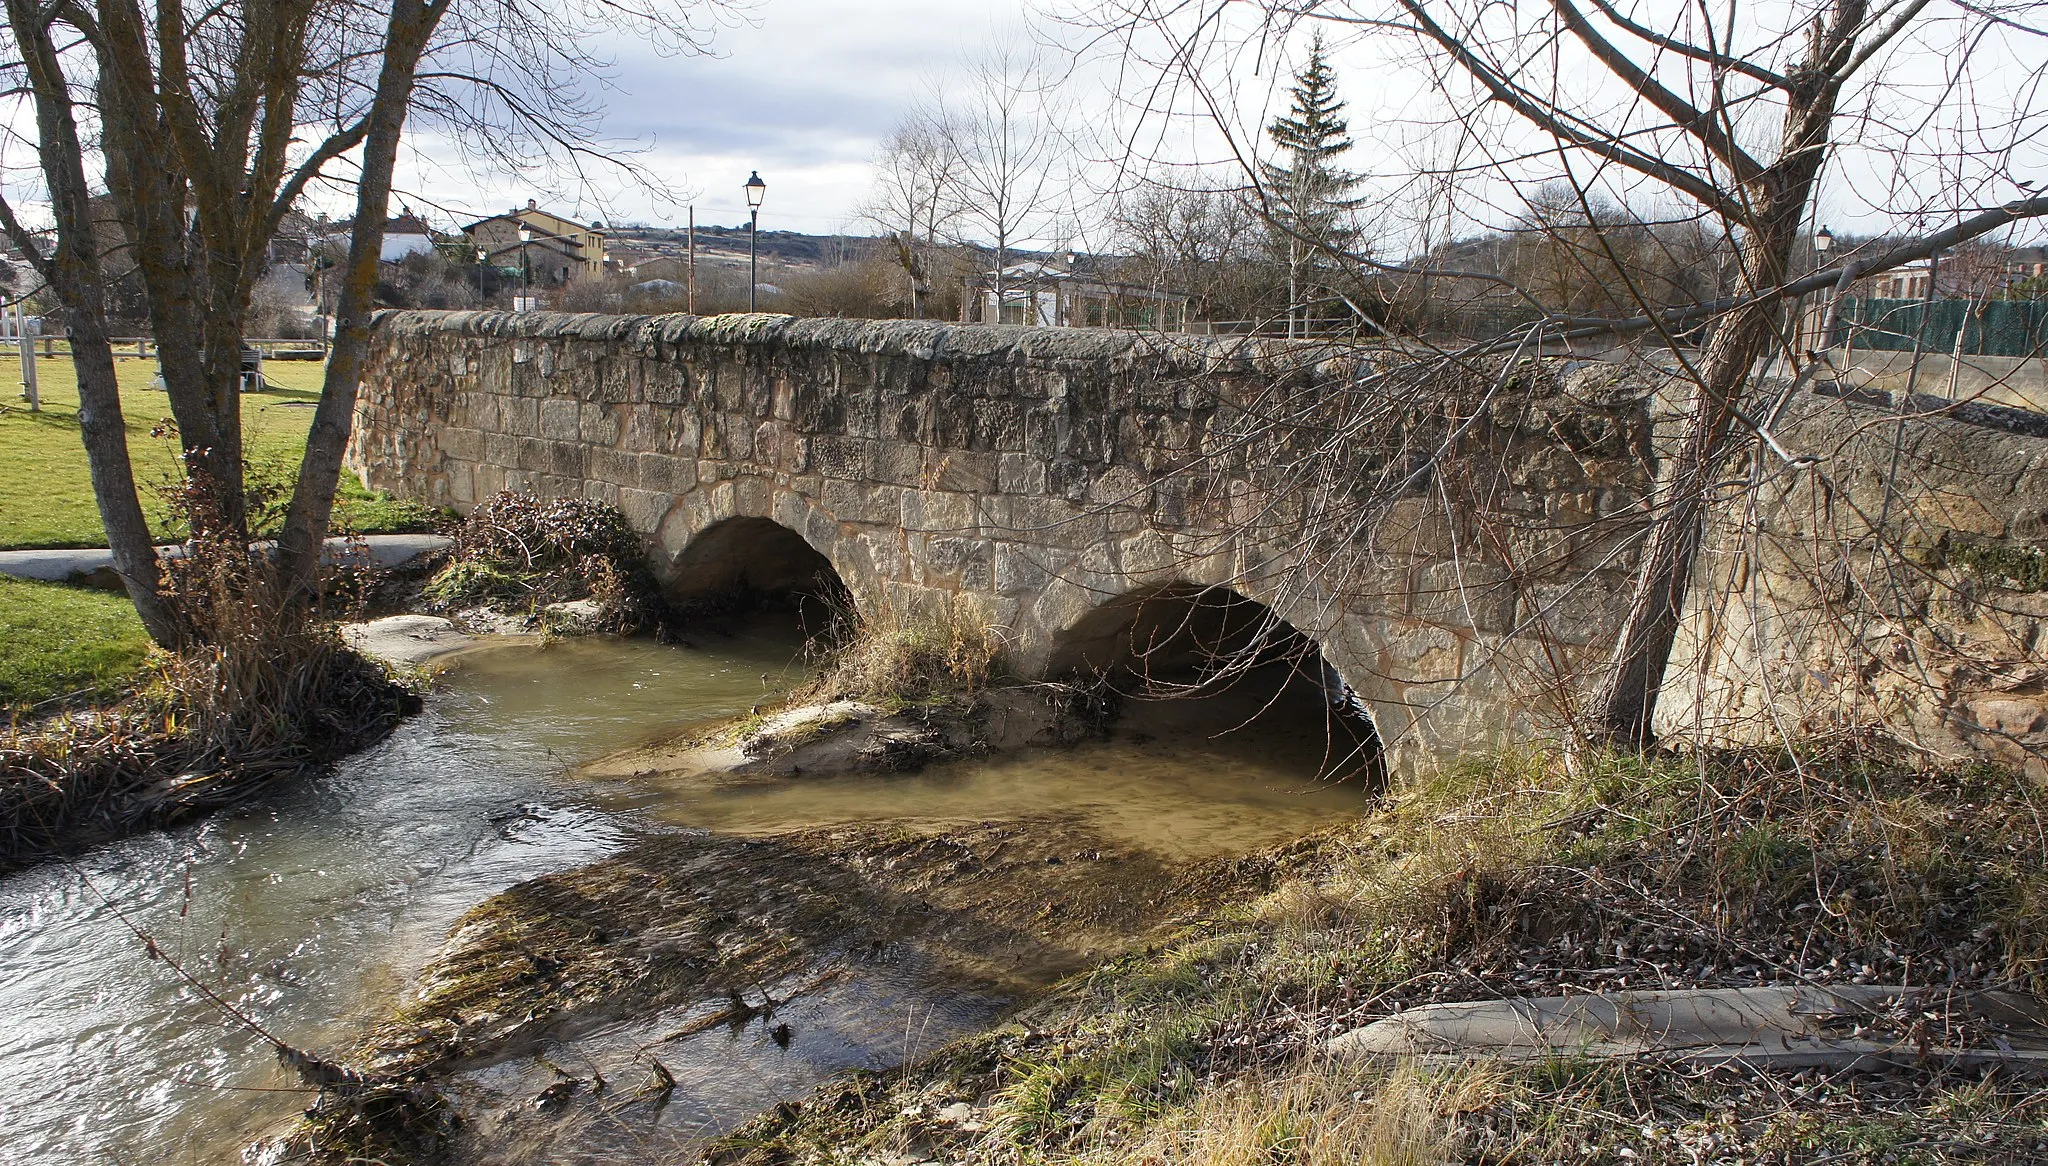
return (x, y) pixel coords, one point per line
(665, 385)
(532, 455)
(668, 473)
(1020, 570)
(965, 562)
(1585, 610)
(599, 425)
(462, 486)
(939, 512)
(519, 416)
(614, 466)
(1475, 594)
(569, 459)
(1018, 473)
(959, 469)
(1416, 653)
(644, 509)
(1144, 553)
(862, 502)
(1118, 486)
(899, 463)
(561, 419)
(463, 444)
(475, 411)
(846, 458)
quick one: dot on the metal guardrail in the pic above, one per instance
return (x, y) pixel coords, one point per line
(142, 347)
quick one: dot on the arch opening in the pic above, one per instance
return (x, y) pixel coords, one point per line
(746, 564)
(1185, 657)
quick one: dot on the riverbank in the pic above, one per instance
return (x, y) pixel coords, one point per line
(1202, 1011)
(1512, 878)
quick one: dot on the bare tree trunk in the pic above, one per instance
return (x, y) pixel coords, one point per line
(305, 531)
(73, 273)
(1627, 700)
(149, 191)
(906, 253)
(1626, 704)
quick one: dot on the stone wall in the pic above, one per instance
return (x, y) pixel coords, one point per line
(1895, 571)
(1044, 471)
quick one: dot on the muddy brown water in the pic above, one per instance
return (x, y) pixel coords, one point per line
(312, 914)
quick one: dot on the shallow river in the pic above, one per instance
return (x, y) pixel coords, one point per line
(310, 914)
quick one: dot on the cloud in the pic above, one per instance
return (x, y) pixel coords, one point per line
(803, 92)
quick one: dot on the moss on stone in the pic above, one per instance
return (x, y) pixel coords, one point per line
(2013, 567)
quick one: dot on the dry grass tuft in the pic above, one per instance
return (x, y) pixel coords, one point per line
(1318, 1112)
(944, 648)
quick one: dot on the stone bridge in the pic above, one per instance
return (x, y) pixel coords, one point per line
(1060, 476)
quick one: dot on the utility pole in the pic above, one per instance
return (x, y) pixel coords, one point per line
(692, 277)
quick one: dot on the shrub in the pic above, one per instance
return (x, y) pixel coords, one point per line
(260, 690)
(520, 552)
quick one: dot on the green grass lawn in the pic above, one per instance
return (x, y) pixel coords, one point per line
(46, 492)
(61, 641)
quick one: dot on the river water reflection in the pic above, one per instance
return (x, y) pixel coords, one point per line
(311, 913)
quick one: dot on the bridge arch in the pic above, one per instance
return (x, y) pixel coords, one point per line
(747, 556)
(1185, 640)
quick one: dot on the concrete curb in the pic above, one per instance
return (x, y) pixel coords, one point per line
(95, 567)
(1852, 1026)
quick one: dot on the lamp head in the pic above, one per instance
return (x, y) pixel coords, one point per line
(526, 234)
(1823, 241)
(755, 188)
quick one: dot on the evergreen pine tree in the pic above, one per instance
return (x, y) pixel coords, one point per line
(1309, 198)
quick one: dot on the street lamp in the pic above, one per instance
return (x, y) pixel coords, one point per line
(525, 268)
(755, 188)
(1817, 331)
(482, 254)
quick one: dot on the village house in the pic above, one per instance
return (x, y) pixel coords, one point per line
(544, 247)
(1070, 295)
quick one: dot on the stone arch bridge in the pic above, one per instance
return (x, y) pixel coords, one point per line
(1043, 471)
(1055, 475)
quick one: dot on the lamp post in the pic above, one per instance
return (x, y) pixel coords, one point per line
(525, 268)
(755, 188)
(1823, 242)
(482, 254)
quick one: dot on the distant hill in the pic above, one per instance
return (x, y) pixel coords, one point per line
(726, 245)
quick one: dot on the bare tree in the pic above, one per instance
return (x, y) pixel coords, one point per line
(915, 200)
(1198, 235)
(1010, 175)
(209, 126)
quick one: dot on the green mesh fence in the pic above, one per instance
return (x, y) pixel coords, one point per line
(1985, 327)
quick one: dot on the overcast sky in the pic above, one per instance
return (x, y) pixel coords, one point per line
(802, 91)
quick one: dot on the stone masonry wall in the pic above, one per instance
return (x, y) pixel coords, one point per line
(1045, 472)
(1896, 572)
